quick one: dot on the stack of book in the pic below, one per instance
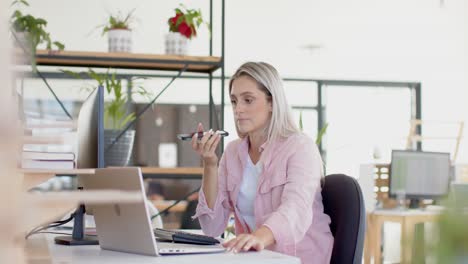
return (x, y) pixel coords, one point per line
(49, 147)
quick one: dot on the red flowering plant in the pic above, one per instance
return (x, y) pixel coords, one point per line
(186, 21)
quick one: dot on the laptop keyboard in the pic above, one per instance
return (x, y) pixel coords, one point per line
(184, 237)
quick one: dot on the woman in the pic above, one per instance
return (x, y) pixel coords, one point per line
(269, 177)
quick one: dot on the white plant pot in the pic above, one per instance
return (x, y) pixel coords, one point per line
(22, 40)
(176, 44)
(120, 40)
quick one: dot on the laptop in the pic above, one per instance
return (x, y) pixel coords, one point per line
(127, 227)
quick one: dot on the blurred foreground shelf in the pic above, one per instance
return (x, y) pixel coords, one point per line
(50, 206)
(34, 177)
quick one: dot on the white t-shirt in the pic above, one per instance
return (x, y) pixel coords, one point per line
(248, 189)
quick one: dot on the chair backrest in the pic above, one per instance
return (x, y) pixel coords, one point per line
(343, 202)
(186, 221)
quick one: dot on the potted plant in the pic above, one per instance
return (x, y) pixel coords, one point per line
(116, 117)
(182, 27)
(29, 32)
(119, 32)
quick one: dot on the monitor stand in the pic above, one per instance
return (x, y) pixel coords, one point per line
(414, 203)
(78, 237)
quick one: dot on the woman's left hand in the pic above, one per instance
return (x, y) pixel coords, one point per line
(244, 242)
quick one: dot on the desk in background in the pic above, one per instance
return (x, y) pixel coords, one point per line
(44, 246)
(408, 220)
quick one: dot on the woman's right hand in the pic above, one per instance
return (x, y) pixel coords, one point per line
(206, 146)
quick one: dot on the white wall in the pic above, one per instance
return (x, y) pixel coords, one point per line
(396, 40)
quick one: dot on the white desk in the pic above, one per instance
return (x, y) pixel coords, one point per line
(94, 254)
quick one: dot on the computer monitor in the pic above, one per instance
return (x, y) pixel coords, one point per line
(90, 154)
(419, 174)
(91, 131)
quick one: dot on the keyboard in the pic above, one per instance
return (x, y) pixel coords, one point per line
(184, 237)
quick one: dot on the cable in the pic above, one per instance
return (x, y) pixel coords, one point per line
(59, 233)
(175, 203)
(53, 224)
(144, 109)
(40, 228)
(50, 232)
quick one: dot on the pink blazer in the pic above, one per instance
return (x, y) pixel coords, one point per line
(288, 199)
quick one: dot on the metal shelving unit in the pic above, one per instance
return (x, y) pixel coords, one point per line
(157, 62)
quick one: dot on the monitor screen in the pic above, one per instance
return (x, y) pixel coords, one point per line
(419, 174)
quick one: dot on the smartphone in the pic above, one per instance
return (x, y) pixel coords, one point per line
(188, 136)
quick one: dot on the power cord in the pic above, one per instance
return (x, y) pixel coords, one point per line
(175, 203)
(59, 233)
(38, 229)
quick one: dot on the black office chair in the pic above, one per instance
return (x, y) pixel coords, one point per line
(343, 202)
(186, 220)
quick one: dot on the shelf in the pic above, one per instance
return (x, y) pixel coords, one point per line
(88, 197)
(163, 204)
(35, 172)
(203, 64)
(34, 177)
(144, 170)
(172, 173)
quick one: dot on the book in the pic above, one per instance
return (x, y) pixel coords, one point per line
(49, 148)
(51, 144)
(47, 164)
(40, 155)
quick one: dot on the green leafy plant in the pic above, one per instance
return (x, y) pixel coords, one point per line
(452, 246)
(34, 29)
(320, 134)
(118, 21)
(115, 111)
(186, 21)
(451, 243)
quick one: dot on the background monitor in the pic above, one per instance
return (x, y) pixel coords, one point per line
(419, 174)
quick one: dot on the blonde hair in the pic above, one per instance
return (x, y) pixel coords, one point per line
(269, 81)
